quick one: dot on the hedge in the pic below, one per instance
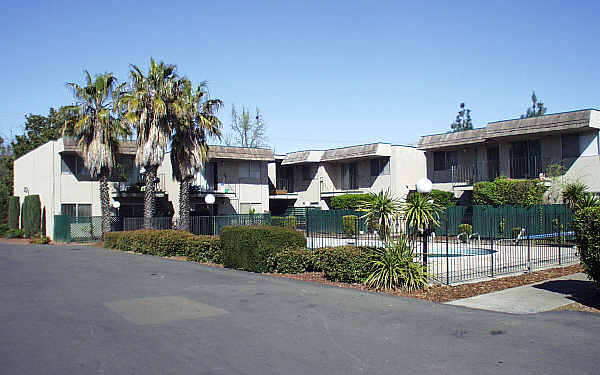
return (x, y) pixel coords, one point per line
(587, 236)
(31, 215)
(503, 191)
(348, 264)
(296, 260)
(14, 206)
(252, 248)
(443, 198)
(349, 201)
(287, 221)
(168, 242)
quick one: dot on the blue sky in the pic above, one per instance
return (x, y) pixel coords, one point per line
(324, 73)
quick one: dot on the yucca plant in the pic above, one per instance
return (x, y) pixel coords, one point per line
(421, 212)
(573, 193)
(393, 266)
(588, 200)
(382, 208)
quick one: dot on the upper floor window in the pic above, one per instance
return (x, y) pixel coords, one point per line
(570, 146)
(73, 164)
(249, 169)
(380, 167)
(444, 160)
(306, 172)
(76, 210)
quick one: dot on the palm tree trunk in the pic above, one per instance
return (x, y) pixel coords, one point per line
(105, 204)
(150, 196)
(184, 204)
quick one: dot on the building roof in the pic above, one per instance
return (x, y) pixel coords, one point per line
(343, 153)
(214, 151)
(552, 123)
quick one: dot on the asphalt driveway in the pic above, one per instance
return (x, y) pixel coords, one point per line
(83, 310)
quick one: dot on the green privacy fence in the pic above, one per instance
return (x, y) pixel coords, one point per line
(332, 221)
(506, 221)
(77, 229)
(451, 219)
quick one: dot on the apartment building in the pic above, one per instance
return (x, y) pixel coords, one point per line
(519, 148)
(236, 176)
(313, 177)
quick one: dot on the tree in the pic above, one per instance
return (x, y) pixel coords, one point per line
(537, 108)
(382, 208)
(98, 130)
(193, 117)
(247, 132)
(421, 212)
(148, 107)
(463, 120)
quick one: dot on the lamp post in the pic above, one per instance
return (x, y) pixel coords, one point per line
(424, 186)
(210, 200)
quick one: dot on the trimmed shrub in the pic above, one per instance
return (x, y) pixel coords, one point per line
(349, 201)
(294, 261)
(14, 206)
(503, 191)
(348, 264)
(14, 233)
(349, 223)
(286, 222)
(465, 228)
(3, 229)
(166, 243)
(443, 198)
(31, 215)
(253, 248)
(587, 235)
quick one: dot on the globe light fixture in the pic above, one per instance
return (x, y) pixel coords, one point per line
(424, 186)
(116, 204)
(209, 199)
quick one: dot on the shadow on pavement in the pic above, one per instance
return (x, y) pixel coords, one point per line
(584, 292)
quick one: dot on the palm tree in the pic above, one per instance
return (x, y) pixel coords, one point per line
(573, 193)
(194, 119)
(148, 105)
(381, 208)
(98, 130)
(421, 212)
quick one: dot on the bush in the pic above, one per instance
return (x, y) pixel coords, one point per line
(503, 191)
(394, 266)
(465, 228)
(253, 248)
(350, 223)
(587, 236)
(14, 206)
(349, 201)
(3, 229)
(286, 222)
(44, 240)
(294, 261)
(515, 232)
(348, 264)
(14, 233)
(31, 215)
(443, 198)
(166, 243)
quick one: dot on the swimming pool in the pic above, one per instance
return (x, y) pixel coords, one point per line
(456, 252)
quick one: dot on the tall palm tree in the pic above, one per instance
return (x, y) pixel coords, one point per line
(148, 105)
(98, 130)
(382, 208)
(194, 120)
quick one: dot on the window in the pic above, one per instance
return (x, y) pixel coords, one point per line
(444, 160)
(306, 172)
(73, 164)
(249, 169)
(72, 209)
(570, 146)
(349, 176)
(380, 167)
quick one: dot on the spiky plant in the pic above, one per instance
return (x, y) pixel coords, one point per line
(588, 200)
(98, 130)
(394, 266)
(148, 107)
(573, 193)
(421, 212)
(194, 120)
(382, 208)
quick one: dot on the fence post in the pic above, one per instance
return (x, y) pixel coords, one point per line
(447, 255)
(492, 239)
(528, 244)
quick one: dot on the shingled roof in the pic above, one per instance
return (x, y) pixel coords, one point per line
(214, 152)
(558, 122)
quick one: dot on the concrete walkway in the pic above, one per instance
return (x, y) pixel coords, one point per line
(530, 299)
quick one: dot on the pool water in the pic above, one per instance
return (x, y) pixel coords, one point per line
(467, 251)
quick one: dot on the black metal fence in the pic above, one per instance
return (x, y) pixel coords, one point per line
(538, 239)
(205, 225)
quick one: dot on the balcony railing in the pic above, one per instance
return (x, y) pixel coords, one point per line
(470, 173)
(283, 186)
